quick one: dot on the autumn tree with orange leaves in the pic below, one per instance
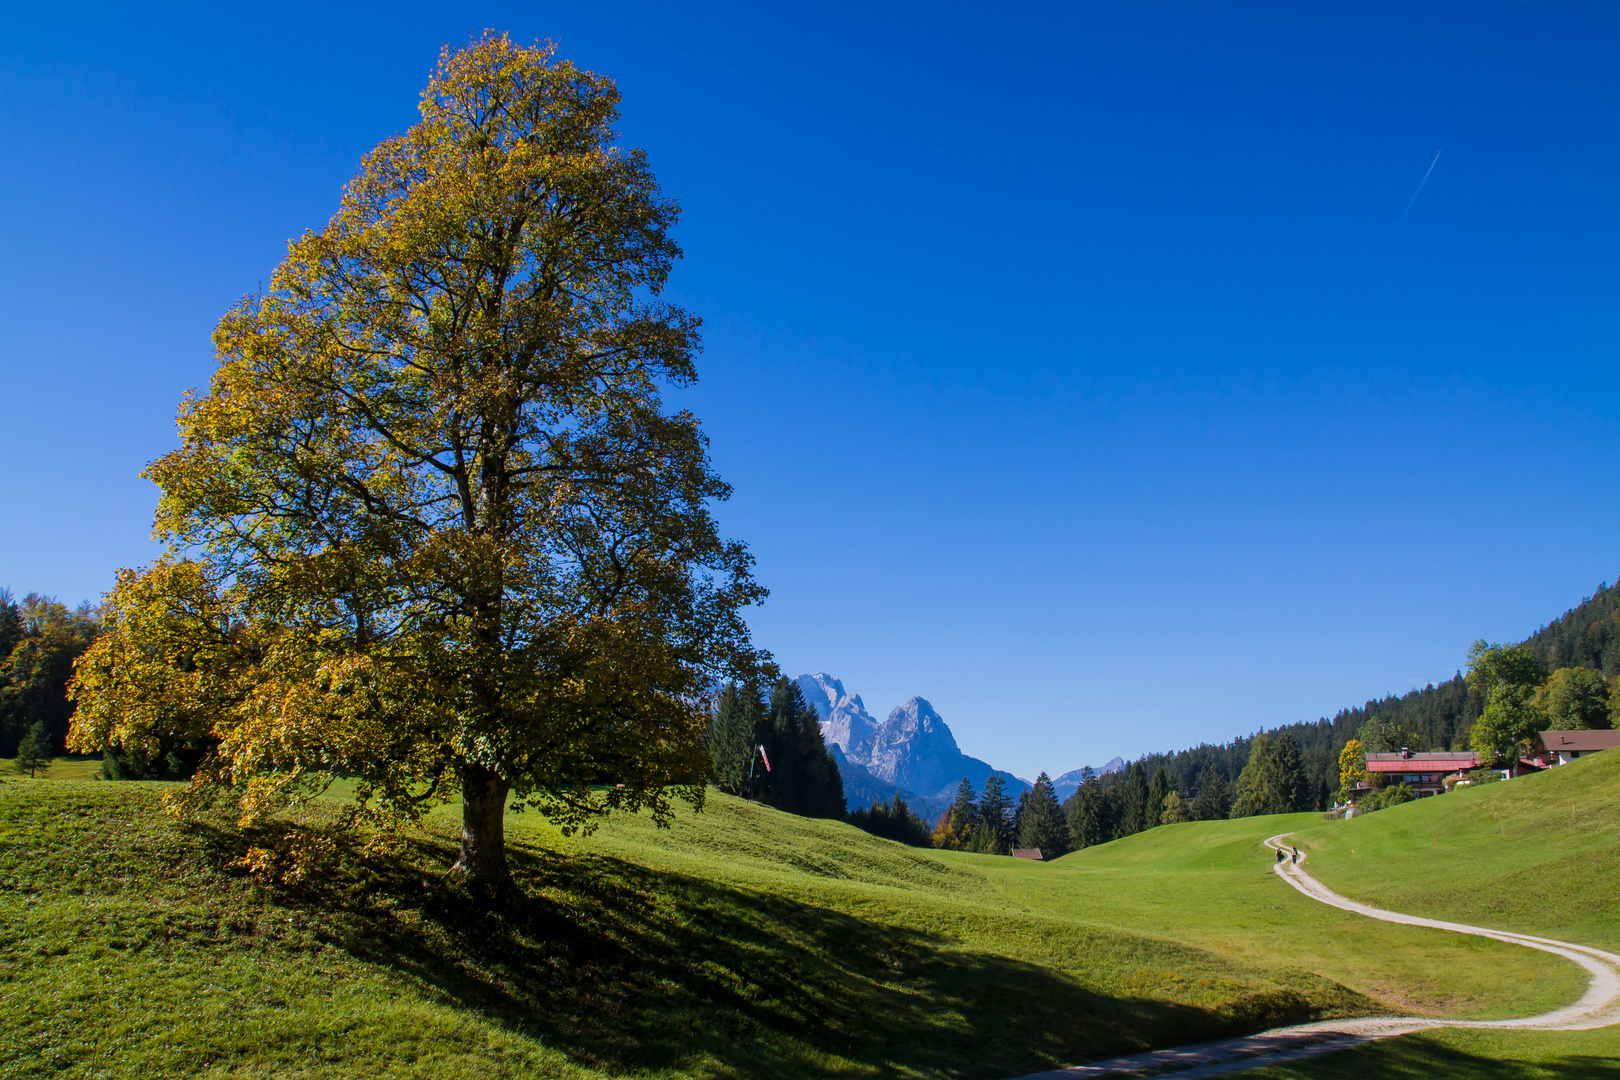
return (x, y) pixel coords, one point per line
(431, 526)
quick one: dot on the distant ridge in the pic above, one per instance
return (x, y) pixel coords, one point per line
(1069, 782)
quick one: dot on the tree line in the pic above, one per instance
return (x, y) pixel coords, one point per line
(773, 751)
(993, 823)
(1564, 676)
(40, 638)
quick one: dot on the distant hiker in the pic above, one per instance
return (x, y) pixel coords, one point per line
(1296, 856)
(1279, 854)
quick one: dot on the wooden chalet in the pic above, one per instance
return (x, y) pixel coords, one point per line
(1562, 747)
(1424, 772)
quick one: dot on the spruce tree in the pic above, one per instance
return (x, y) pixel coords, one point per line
(1211, 802)
(1273, 780)
(1175, 810)
(994, 807)
(1157, 792)
(1293, 790)
(1090, 818)
(803, 777)
(731, 737)
(34, 753)
(960, 823)
(1134, 798)
(893, 822)
(1041, 825)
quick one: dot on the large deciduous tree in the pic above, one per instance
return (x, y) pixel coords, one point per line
(431, 524)
(1574, 698)
(1507, 676)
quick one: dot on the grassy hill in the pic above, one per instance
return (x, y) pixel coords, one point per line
(1210, 884)
(743, 942)
(1537, 855)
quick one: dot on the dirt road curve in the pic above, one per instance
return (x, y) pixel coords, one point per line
(1598, 1007)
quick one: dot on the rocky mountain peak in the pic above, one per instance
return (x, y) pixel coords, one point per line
(845, 722)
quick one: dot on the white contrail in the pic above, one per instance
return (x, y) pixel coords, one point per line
(1419, 190)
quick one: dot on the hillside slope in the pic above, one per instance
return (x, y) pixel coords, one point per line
(1210, 884)
(1539, 854)
(1536, 855)
(744, 942)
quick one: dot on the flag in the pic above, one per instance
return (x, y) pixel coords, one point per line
(765, 759)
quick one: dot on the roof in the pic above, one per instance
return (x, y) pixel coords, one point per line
(1425, 761)
(1579, 741)
(1027, 853)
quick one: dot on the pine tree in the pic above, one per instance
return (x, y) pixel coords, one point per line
(994, 823)
(34, 753)
(1273, 781)
(1176, 810)
(960, 823)
(1133, 818)
(1041, 824)
(731, 737)
(1157, 792)
(1211, 802)
(803, 777)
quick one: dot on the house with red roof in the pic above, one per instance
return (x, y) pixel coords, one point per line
(1424, 772)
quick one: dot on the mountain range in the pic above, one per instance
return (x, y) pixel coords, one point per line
(911, 752)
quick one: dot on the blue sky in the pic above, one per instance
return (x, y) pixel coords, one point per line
(1074, 365)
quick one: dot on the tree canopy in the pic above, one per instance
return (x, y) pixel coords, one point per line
(958, 826)
(1508, 677)
(1574, 698)
(1273, 781)
(40, 638)
(431, 526)
(1041, 823)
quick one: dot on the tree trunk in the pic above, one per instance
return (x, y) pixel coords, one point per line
(483, 827)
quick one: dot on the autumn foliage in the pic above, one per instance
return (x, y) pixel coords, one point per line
(431, 526)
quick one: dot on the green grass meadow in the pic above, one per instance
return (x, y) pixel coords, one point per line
(742, 942)
(1538, 854)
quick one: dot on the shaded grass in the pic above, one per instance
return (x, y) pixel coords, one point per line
(1539, 854)
(129, 947)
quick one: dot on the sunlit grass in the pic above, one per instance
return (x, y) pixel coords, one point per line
(1539, 854)
(742, 942)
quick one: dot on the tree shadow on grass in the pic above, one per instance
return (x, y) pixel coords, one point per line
(623, 968)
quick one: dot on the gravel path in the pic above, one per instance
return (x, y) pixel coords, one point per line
(1598, 1007)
